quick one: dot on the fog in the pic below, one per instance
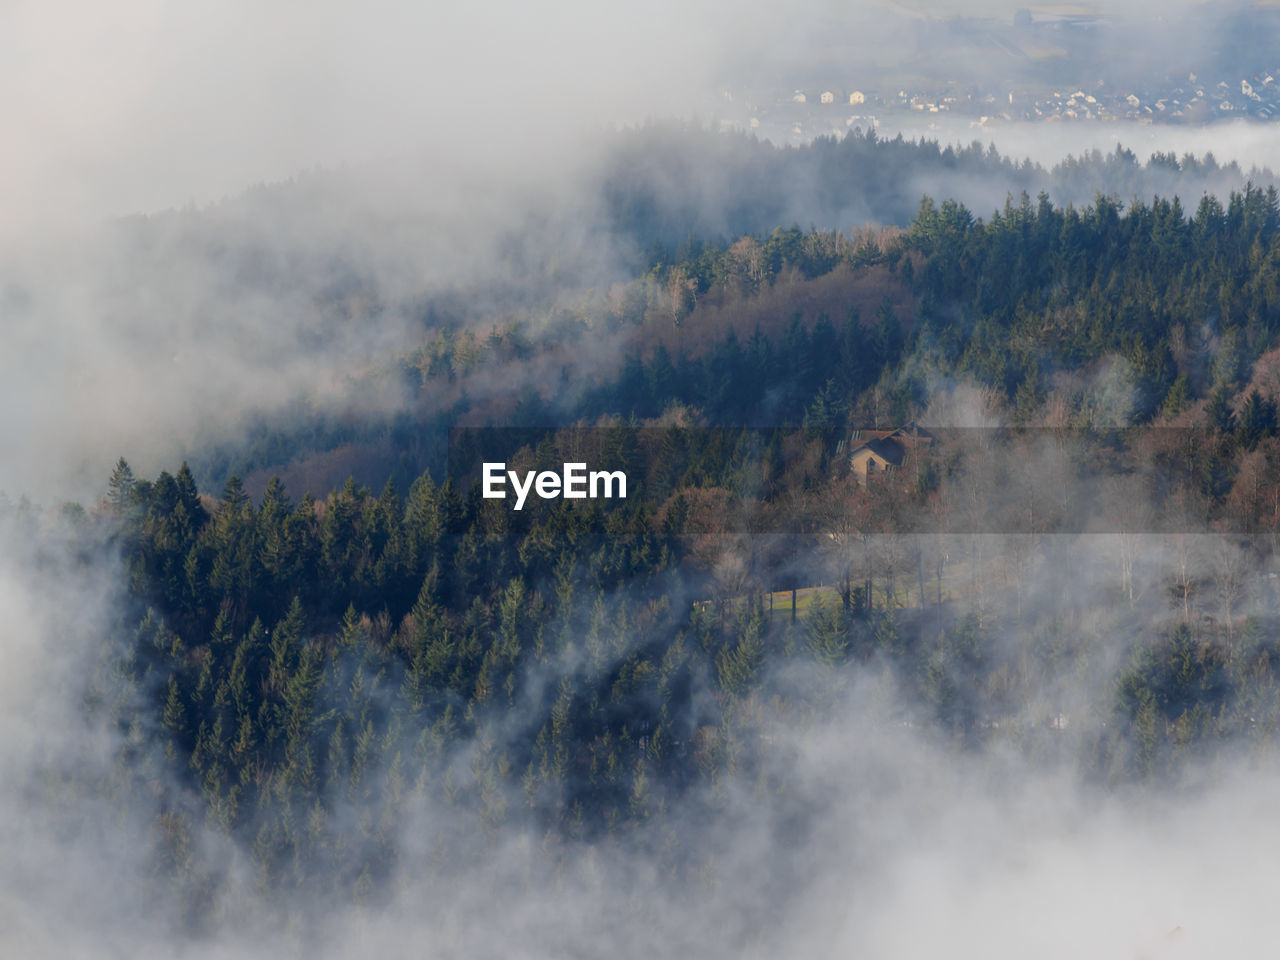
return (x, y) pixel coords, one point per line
(403, 146)
(1250, 144)
(852, 827)
(153, 106)
(219, 209)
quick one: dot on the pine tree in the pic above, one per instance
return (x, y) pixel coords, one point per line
(1219, 411)
(1257, 420)
(121, 487)
(174, 716)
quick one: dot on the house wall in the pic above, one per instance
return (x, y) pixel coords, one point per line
(866, 461)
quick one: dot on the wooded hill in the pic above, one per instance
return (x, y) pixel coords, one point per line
(289, 658)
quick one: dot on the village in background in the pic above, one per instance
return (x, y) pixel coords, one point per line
(1040, 64)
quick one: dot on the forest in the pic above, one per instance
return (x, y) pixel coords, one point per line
(298, 666)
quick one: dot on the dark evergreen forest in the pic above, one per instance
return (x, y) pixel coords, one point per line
(302, 664)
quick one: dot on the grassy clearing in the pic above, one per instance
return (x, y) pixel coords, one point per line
(957, 582)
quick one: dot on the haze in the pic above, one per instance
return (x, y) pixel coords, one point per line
(214, 211)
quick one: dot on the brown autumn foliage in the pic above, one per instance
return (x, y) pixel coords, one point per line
(771, 308)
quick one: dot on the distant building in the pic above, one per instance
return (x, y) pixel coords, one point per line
(827, 97)
(799, 96)
(856, 98)
(875, 456)
(873, 452)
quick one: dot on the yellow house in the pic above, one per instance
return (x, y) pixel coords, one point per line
(875, 456)
(873, 452)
